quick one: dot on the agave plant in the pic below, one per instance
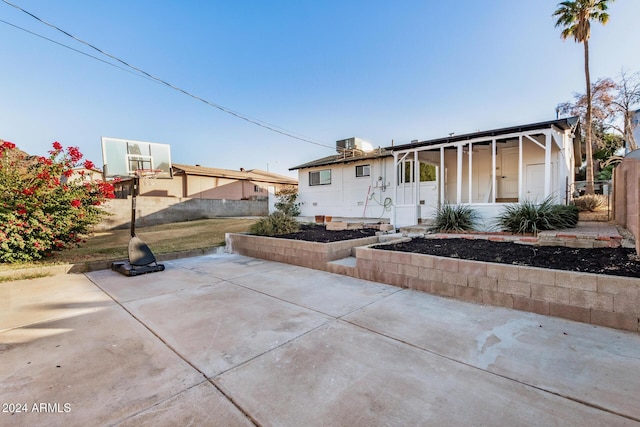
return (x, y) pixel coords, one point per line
(530, 217)
(454, 218)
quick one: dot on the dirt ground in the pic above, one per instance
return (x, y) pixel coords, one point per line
(612, 261)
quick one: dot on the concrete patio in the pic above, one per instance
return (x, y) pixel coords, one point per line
(232, 340)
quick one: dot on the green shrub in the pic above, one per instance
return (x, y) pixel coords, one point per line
(589, 202)
(454, 218)
(529, 217)
(275, 224)
(287, 201)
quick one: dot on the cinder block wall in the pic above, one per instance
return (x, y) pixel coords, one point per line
(296, 252)
(590, 298)
(152, 210)
(604, 300)
(626, 192)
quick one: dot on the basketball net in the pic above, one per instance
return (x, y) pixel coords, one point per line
(147, 176)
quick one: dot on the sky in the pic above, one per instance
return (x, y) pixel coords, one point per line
(324, 70)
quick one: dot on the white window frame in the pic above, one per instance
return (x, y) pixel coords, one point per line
(363, 168)
(323, 177)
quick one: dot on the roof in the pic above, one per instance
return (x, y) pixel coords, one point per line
(565, 124)
(342, 158)
(256, 175)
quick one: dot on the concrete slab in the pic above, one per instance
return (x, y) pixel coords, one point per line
(173, 279)
(341, 374)
(582, 362)
(29, 301)
(278, 353)
(328, 293)
(225, 266)
(220, 326)
(94, 368)
(202, 405)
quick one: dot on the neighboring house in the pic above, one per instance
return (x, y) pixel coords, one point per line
(84, 175)
(635, 130)
(199, 182)
(483, 169)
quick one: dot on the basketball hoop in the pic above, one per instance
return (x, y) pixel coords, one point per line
(148, 175)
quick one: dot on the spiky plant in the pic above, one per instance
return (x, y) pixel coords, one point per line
(530, 217)
(450, 217)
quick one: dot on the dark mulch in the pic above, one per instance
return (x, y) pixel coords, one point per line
(612, 261)
(319, 234)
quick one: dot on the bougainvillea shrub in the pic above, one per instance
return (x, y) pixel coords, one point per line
(42, 210)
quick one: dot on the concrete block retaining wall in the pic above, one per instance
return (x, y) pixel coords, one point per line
(296, 252)
(610, 301)
(590, 298)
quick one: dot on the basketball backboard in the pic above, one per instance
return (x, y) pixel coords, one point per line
(123, 157)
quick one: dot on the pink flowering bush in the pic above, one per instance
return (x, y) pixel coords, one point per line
(41, 210)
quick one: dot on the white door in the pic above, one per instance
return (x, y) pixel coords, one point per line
(534, 184)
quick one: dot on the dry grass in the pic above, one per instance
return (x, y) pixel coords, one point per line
(181, 236)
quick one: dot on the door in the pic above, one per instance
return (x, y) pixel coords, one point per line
(508, 175)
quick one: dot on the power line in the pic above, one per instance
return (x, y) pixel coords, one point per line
(73, 49)
(236, 114)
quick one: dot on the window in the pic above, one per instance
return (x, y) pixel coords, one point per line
(363, 170)
(322, 177)
(427, 172)
(257, 189)
(406, 172)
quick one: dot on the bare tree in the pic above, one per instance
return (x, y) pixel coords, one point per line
(628, 97)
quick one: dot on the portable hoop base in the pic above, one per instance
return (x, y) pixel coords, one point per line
(141, 259)
(124, 267)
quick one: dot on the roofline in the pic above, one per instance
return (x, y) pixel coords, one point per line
(237, 175)
(565, 123)
(337, 159)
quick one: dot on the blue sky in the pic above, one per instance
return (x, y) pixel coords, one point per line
(328, 70)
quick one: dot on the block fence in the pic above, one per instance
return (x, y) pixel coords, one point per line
(626, 197)
(603, 300)
(154, 210)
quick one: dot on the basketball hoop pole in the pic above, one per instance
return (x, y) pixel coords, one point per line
(135, 183)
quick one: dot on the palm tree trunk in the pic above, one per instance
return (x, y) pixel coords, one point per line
(588, 144)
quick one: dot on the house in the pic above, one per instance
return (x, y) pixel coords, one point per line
(199, 182)
(82, 174)
(353, 183)
(406, 183)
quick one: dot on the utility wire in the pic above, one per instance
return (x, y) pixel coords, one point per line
(241, 116)
(75, 50)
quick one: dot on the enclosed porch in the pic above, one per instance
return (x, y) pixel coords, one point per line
(484, 169)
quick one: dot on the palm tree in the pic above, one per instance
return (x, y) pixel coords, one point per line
(575, 18)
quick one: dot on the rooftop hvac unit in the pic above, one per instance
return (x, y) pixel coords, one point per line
(352, 144)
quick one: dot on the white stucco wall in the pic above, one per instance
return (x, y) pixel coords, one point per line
(348, 195)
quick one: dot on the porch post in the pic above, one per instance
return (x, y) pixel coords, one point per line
(493, 171)
(442, 176)
(547, 164)
(470, 169)
(520, 170)
(395, 187)
(459, 177)
(416, 181)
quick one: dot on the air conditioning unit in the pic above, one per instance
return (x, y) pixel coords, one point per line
(353, 144)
